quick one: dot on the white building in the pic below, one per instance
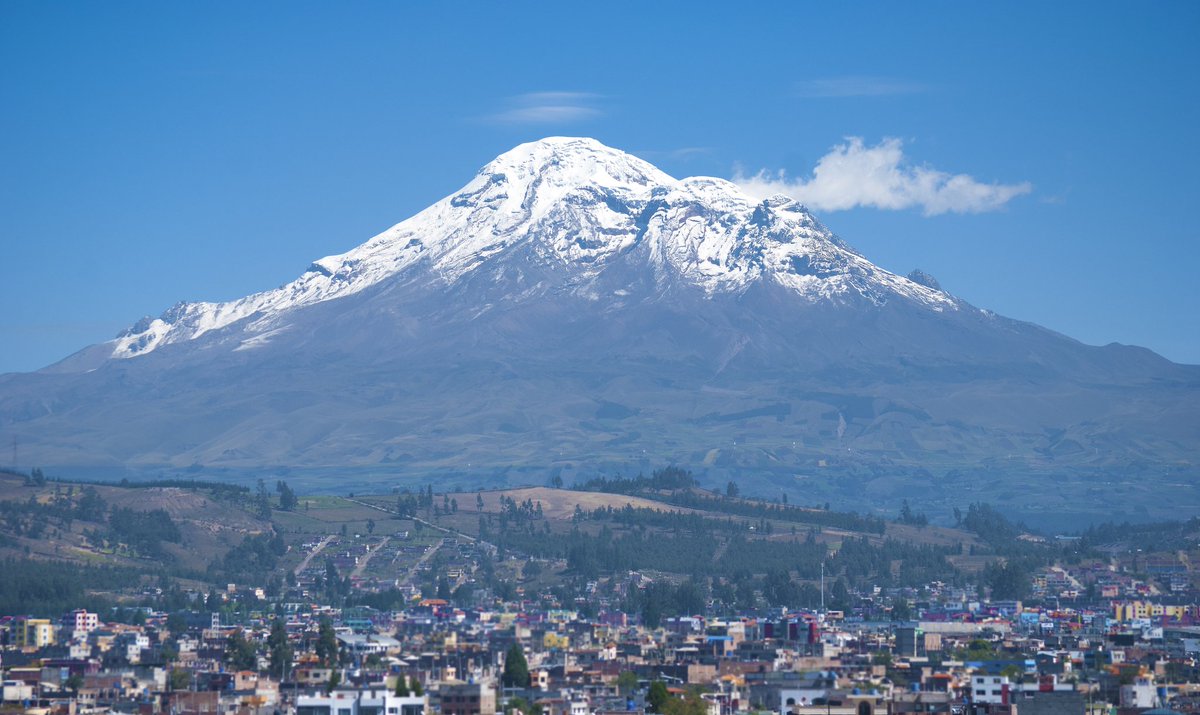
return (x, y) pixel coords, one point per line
(1139, 694)
(350, 701)
(990, 689)
(79, 623)
(366, 644)
(15, 691)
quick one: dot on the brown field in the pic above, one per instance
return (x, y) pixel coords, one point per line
(557, 504)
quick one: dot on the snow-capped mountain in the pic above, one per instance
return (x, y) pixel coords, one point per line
(575, 205)
(574, 310)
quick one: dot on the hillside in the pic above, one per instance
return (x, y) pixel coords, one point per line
(669, 542)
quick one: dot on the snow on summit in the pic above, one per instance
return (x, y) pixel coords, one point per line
(573, 205)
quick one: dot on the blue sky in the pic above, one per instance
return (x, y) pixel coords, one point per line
(157, 152)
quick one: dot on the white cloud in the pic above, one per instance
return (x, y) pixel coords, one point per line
(854, 175)
(857, 86)
(685, 153)
(548, 108)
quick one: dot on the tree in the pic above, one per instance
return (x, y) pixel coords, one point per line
(370, 526)
(335, 679)
(732, 490)
(176, 624)
(262, 501)
(240, 653)
(74, 683)
(657, 696)
(839, 596)
(556, 481)
(327, 645)
(690, 704)
(1010, 580)
(170, 650)
(516, 668)
(287, 497)
(402, 690)
(279, 650)
(627, 682)
(179, 679)
(478, 501)
(415, 686)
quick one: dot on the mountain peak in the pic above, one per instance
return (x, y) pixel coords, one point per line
(571, 162)
(569, 209)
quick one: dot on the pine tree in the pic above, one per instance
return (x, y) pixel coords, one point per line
(287, 497)
(402, 686)
(327, 645)
(516, 668)
(279, 650)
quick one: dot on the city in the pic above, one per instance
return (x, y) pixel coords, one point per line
(408, 612)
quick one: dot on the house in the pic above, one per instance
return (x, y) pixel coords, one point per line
(467, 699)
(369, 701)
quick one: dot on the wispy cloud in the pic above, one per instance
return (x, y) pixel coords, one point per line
(685, 153)
(857, 86)
(548, 108)
(854, 175)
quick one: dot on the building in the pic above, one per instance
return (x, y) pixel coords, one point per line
(466, 699)
(990, 689)
(349, 701)
(1049, 702)
(32, 633)
(79, 623)
(911, 703)
(910, 642)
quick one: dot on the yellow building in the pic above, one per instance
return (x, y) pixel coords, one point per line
(561, 641)
(1125, 611)
(33, 633)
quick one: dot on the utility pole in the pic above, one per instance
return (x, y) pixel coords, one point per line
(822, 587)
